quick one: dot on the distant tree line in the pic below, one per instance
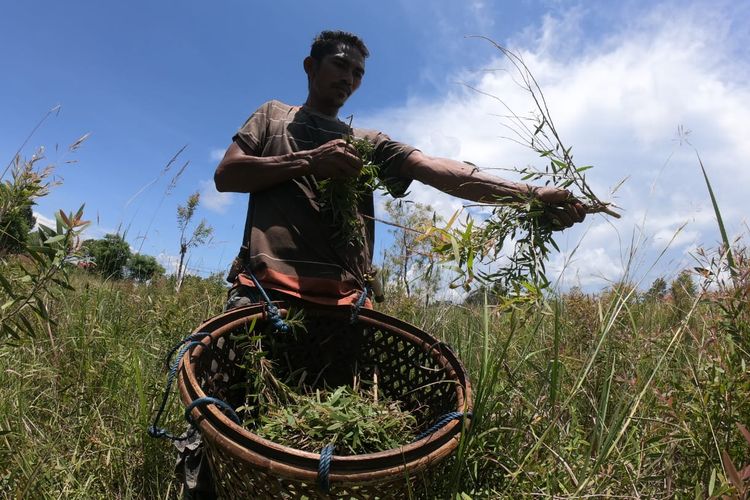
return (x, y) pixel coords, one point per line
(111, 257)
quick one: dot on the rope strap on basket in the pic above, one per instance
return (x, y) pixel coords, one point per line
(184, 345)
(206, 400)
(448, 417)
(326, 454)
(359, 304)
(271, 310)
(324, 468)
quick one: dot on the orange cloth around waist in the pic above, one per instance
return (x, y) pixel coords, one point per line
(315, 290)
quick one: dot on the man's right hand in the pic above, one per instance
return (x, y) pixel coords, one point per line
(334, 159)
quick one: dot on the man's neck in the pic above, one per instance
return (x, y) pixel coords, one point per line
(329, 111)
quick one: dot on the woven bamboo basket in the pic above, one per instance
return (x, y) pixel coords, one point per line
(413, 368)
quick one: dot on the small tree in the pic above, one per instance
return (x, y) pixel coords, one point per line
(492, 294)
(201, 233)
(17, 196)
(144, 267)
(28, 282)
(683, 291)
(111, 255)
(411, 264)
(658, 290)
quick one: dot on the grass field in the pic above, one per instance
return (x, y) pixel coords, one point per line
(610, 394)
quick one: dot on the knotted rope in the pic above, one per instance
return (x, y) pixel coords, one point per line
(272, 311)
(359, 304)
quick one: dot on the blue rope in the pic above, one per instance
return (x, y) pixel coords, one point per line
(455, 415)
(326, 454)
(279, 324)
(359, 304)
(324, 468)
(213, 401)
(184, 345)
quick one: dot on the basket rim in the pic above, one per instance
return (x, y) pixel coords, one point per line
(303, 465)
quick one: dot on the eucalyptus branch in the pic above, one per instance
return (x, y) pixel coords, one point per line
(520, 229)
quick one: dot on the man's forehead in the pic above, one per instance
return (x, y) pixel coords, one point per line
(346, 51)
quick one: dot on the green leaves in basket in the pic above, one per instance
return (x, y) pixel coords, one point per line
(354, 422)
(355, 419)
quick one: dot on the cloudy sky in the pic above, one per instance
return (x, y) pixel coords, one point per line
(636, 88)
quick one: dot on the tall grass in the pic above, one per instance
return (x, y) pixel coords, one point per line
(613, 394)
(603, 394)
(74, 406)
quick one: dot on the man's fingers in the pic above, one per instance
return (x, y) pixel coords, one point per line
(562, 218)
(347, 165)
(576, 211)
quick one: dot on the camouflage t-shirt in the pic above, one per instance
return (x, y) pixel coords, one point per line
(289, 244)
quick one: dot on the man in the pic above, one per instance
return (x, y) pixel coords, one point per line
(280, 156)
(283, 152)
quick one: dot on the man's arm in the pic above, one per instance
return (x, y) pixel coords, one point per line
(240, 172)
(468, 182)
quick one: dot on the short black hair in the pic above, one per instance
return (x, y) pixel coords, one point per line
(328, 41)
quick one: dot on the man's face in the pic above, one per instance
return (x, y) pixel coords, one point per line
(337, 76)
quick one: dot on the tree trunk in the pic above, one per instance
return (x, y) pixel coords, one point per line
(178, 284)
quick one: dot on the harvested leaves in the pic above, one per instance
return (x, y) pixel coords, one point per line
(352, 421)
(355, 419)
(340, 199)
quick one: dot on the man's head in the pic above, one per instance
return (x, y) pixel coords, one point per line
(334, 68)
(327, 42)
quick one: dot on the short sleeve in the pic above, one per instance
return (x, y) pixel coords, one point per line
(252, 135)
(389, 155)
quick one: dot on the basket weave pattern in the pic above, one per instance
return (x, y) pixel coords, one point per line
(410, 366)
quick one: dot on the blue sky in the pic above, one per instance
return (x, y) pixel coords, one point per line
(147, 78)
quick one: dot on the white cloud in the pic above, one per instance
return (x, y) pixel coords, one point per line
(44, 221)
(213, 200)
(170, 262)
(619, 103)
(217, 154)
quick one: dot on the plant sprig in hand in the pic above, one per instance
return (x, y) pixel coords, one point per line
(340, 199)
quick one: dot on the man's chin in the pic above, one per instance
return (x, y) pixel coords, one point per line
(338, 101)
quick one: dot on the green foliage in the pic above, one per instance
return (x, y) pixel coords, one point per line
(519, 227)
(340, 199)
(411, 264)
(144, 267)
(354, 419)
(17, 195)
(683, 291)
(553, 388)
(33, 267)
(201, 233)
(484, 294)
(28, 282)
(75, 400)
(15, 227)
(111, 254)
(658, 289)
(351, 421)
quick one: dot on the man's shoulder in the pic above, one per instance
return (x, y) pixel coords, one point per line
(370, 134)
(276, 107)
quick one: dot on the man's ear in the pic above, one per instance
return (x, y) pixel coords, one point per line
(311, 65)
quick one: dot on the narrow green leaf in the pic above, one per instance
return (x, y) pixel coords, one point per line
(720, 221)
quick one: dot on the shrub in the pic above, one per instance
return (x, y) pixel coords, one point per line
(110, 253)
(144, 267)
